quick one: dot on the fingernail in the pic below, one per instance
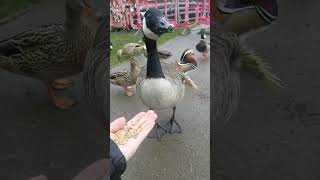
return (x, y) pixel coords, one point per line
(150, 111)
(155, 116)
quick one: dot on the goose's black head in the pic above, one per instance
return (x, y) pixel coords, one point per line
(154, 24)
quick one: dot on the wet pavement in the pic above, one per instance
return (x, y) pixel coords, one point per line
(35, 137)
(176, 156)
(275, 134)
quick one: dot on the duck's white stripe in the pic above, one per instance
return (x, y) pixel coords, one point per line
(147, 32)
(187, 52)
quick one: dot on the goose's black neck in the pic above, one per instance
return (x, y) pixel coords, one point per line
(154, 69)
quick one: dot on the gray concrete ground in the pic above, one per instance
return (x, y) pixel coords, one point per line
(36, 138)
(177, 156)
(271, 136)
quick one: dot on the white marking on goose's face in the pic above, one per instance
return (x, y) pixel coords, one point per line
(159, 93)
(147, 32)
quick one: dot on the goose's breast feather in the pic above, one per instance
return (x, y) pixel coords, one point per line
(161, 93)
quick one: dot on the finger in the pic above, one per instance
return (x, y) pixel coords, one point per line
(135, 119)
(147, 127)
(112, 136)
(144, 119)
(117, 124)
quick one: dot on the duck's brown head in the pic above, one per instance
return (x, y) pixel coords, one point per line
(80, 13)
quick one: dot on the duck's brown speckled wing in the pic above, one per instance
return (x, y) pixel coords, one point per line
(42, 52)
(33, 51)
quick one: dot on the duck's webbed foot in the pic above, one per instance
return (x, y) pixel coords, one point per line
(61, 84)
(157, 132)
(173, 126)
(204, 56)
(58, 101)
(128, 91)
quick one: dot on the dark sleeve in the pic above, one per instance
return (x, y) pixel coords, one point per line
(118, 162)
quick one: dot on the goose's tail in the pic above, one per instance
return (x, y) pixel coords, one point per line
(252, 63)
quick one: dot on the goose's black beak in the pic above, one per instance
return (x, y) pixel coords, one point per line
(171, 28)
(165, 26)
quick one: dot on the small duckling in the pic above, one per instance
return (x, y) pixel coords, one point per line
(203, 47)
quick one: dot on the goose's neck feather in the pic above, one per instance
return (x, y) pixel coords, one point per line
(154, 69)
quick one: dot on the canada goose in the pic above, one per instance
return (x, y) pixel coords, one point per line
(160, 85)
(54, 51)
(203, 47)
(127, 79)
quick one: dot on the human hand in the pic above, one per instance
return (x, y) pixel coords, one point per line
(130, 147)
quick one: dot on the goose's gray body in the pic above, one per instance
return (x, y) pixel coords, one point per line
(161, 93)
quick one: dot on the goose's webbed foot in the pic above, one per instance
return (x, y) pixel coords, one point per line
(157, 132)
(173, 126)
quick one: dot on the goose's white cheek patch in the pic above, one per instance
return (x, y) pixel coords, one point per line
(147, 32)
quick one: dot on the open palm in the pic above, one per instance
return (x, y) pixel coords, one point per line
(130, 147)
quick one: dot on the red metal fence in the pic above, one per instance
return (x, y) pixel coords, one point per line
(182, 13)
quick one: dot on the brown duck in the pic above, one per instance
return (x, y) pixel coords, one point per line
(55, 51)
(126, 78)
